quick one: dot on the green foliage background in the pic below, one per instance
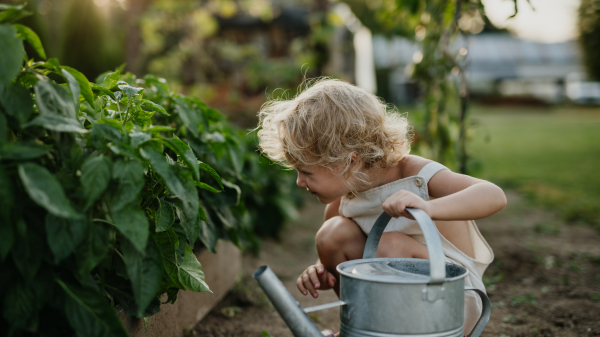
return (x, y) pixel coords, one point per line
(108, 187)
(589, 36)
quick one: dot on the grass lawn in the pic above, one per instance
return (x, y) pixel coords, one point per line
(551, 154)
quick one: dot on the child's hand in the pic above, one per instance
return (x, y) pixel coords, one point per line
(313, 278)
(396, 204)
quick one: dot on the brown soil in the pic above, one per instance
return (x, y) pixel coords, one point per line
(544, 281)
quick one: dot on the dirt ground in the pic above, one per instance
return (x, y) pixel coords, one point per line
(544, 281)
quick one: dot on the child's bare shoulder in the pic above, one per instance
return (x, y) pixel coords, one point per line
(411, 165)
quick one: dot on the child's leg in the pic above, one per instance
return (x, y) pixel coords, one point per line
(340, 239)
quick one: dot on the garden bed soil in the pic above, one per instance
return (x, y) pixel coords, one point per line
(544, 281)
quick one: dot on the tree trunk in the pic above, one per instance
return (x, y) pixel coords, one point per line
(134, 35)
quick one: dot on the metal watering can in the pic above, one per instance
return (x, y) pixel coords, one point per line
(385, 297)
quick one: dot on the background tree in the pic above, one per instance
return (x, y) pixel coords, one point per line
(589, 36)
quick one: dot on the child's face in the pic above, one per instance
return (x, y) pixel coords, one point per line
(322, 183)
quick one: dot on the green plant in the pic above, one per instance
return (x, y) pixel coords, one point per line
(589, 35)
(102, 205)
(545, 228)
(528, 298)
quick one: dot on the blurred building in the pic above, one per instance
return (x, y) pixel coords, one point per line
(497, 65)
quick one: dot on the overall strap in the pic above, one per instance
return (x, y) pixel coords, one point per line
(429, 170)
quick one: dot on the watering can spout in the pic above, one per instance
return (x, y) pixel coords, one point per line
(286, 305)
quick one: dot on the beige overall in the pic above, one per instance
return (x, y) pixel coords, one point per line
(365, 207)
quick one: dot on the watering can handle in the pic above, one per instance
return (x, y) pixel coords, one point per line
(432, 238)
(485, 313)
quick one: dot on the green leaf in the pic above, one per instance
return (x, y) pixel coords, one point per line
(3, 130)
(206, 168)
(7, 196)
(90, 314)
(189, 222)
(7, 238)
(137, 138)
(143, 118)
(17, 102)
(46, 191)
(111, 79)
(102, 91)
(144, 271)
(13, 13)
(202, 213)
(189, 116)
(184, 151)
(190, 273)
(84, 84)
(93, 249)
(167, 243)
(73, 85)
(27, 253)
(165, 216)
(209, 235)
(122, 149)
(182, 236)
(129, 91)
(160, 128)
(52, 64)
(103, 132)
(155, 107)
(20, 305)
(11, 53)
(21, 151)
(56, 122)
(206, 187)
(132, 223)
(238, 191)
(95, 176)
(30, 36)
(184, 190)
(172, 295)
(131, 181)
(64, 235)
(51, 98)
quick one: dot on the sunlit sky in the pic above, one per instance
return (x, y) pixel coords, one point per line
(551, 21)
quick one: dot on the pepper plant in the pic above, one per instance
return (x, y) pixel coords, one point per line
(101, 205)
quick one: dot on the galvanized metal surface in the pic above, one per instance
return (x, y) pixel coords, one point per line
(349, 331)
(286, 305)
(396, 270)
(430, 232)
(324, 306)
(400, 308)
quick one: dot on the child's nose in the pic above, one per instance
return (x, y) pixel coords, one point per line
(300, 181)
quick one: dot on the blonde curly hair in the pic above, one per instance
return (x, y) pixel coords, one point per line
(328, 122)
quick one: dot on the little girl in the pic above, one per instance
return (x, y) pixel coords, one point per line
(353, 155)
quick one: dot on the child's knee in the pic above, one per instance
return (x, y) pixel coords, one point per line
(394, 244)
(335, 233)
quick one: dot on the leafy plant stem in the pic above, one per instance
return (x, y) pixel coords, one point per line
(127, 112)
(119, 253)
(105, 221)
(120, 116)
(153, 196)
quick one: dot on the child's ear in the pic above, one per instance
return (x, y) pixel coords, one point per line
(353, 158)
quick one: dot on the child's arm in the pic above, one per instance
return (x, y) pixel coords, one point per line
(458, 197)
(315, 276)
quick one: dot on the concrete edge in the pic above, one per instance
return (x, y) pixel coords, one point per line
(221, 271)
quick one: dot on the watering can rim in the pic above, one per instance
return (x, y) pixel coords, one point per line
(344, 269)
